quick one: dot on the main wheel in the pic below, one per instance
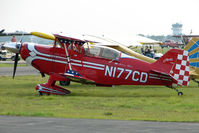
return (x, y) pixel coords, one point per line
(13, 58)
(43, 94)
(180, 93)
(64, 83)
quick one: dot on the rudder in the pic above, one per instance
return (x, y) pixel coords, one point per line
(175, 63)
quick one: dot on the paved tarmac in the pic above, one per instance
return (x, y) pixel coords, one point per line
(28, 70)
(10, 124)
(12, 62)
(8, 71)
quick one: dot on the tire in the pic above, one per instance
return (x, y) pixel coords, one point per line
(64, 83)
(13, 58)
(43, 94)
(180, 93)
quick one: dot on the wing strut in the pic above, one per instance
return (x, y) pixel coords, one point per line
(67, 56)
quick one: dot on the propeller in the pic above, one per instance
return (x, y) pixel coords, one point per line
(17, 56)
(15, 64)
(14, 47)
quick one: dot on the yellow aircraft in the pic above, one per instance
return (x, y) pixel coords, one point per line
(192, 47)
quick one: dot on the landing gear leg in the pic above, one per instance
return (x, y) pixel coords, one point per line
(179, 92)
(51, 88)
(40, 93)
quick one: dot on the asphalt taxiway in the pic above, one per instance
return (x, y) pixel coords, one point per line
(27, 70)
(10, 124)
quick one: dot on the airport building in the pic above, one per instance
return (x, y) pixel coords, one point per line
(177, 29)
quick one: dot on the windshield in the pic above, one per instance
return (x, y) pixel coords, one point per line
(58, 45)
(103, 52)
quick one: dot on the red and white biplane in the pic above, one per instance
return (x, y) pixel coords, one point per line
(73, 59)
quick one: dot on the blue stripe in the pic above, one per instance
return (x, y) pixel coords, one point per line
(194, 64)
(195, 55)
(194, 46)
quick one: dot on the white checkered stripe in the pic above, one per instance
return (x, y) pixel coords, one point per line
(180, 71)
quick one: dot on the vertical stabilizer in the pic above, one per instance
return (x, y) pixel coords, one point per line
(175, 63)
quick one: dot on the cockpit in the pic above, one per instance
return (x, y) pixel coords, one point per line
(101, 51)
(91, 50)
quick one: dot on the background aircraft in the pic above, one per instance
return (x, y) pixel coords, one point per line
(2, 33)
(191, 43)
(193, 48)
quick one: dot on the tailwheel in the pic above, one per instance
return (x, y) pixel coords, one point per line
(179, 92)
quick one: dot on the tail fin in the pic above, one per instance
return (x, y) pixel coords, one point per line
(175, 64)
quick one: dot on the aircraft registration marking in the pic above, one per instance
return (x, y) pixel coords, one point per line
(137, 76)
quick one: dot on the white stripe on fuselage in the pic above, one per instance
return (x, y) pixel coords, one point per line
(95, 64)
(98, 68)
(76, 64)
(48, 57)
(31, 47)
(76, 60)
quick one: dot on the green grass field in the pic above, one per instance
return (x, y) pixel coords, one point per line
(12, 65)
(18, 97)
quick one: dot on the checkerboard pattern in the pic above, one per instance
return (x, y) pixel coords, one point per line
(180, 71)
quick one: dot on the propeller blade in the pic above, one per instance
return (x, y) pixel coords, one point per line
(15, 64)
(21, 38)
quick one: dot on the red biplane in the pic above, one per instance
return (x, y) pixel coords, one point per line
(72, 59)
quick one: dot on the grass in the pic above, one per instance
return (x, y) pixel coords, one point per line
(12, 65)
(152, 103)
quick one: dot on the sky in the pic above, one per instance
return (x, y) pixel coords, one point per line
(99, 17)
